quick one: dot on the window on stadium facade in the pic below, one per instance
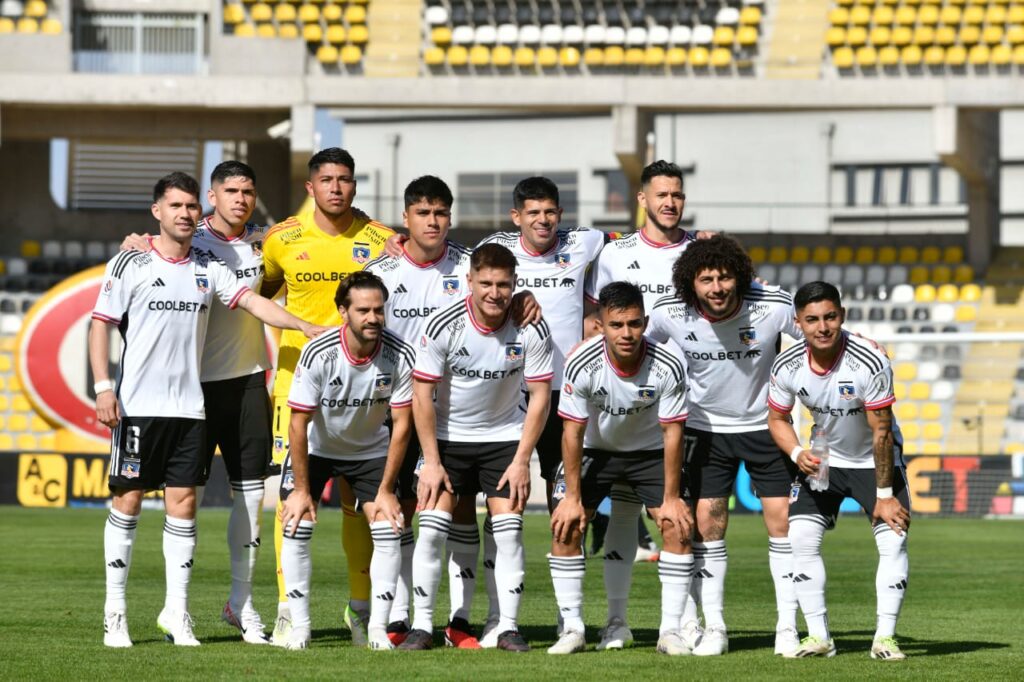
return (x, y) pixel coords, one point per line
(483, 200)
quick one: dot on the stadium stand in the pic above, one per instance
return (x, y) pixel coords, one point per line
(29, 16)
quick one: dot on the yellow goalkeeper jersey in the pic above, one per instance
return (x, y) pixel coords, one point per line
(310, 263)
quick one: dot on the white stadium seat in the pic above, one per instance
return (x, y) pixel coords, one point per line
(95, 251)
(74, 249)
(681, 35)
(658, 35)
(615, 35)
(703, 34)
(463, 35)
(942, 313)
(551, 35)
(17, 266)
(903, 293)
(636, 37)
(572, 35)
(508, 34)
(529, 34)
(594, 35)
(486, 35)
(51, 249)
(436, 15)
(727, 16)
(942, 390)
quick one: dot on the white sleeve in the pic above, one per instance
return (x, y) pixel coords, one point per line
(879, 393)
(657, 325)
(307, 385)
(431, 357)
(593, 242)
(572, 403)
(539, 356)
(596, 278)
(116, 291)
(672, 403)
(401, 394)
(780, 397)
(227, 287)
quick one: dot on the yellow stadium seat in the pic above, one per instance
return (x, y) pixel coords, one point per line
(924, 36)
(17, 423)
(6, 25)
(928, 15)
(479, 55)
(26, 441)
(924, 293)
(956, 55)
(963, 274)
(995, 14)
(758, 254)
(947, 293)
(5, 362)
(332, 13)
(547, 57)
(1001, 55)
(920, 390)
(724, 35)
(750, 16)
(285, 13)
(969, 35)
(458, 55)
(569, 57)
(978, 55)
(309, 13)
(1015, 15)
(839, 17)
(433, 56)
(856, 36)
(835, 36)
(20, 404)
(4, 403)
(941, 274)
(970, 293)
(931, 411)
(919, 275)
(860, 16)
(934, 55)
(906, 16)
(867, 57)
(1018, 55)
(882, 16)
(911, 430)
(614, 55)
(933, 431)
(634, 56)
(246, 30)
(312, 33)
(880, 36)
(945, 36)
(747, 35)
(234, 14)
(932, 448)
(721, 57)
(930, 255)
(28, 25)
(844, 3)
(359, 34)
(966, 313)
(899, 390)
(501, 56)
(843, 255)
(865, 255)
(799, 255)
(953, 255)
(889, 56)
(351, 55)
(699, 56)
(950, 15)
(593, 56)
(821, 255)
(14, 383)
(525, 56)
(908, 255)
(991, 35)
(336, 34)
(910, 447)
(778, 255)
(902, 35)
(38, 425)
(327, 54)
(261, 11)
(441, 35)
(355, 14)
(886, 255)
(266, 31)
(905, 371)
(35, 9)
(654, 56)
(288, 31)
(973, 15)
(676, 56)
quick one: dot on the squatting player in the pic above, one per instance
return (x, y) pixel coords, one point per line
(476, 437)
(846, 383)
(344, 383)
(729, 328)
(618, 388)
(160, 301)
(308, 255)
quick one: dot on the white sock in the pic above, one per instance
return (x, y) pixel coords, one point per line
(620, 544)
(400, 606)
(805, 536)
(780, 563)
(463, 548)
(118, 539)
(244, 540)
(567, 574)
(891, 578)
(710, 563)
(690, 614)
(297, 567)
(509, 568)
(179, 555)
(426, 566)
(490, 552)
(675, 572)
(385, 568)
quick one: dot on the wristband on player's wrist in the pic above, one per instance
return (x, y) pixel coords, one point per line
(795, 452)
(103, 386)
(883, 493)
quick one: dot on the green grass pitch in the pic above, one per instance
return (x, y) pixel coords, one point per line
(962, 617)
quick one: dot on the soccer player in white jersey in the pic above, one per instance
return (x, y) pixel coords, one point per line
(618, 388)
(552, 264)
(476, 437)
(645, 258)
(846, 384)
(729, 328)
(344, 383)
(159, 301)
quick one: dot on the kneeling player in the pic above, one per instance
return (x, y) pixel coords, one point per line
(847, 384)
(343, 384)
(618, 387)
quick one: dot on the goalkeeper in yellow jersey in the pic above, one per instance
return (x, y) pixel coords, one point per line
(308, 255)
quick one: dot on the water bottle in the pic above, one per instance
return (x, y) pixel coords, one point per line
(819, 449)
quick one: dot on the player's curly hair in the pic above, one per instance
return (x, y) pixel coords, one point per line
(360, 279)
(719, 252)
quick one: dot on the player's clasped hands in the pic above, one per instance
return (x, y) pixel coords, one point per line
(891, 512)
(517, 478)
(433, 479)
(298, 504)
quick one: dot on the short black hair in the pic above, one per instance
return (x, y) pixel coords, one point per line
(718, 252)
(660, 168)
(335, 155)
(232, 169)
(176, 180)
(812, 292)
(537, 188)
(360, 279)
(430, 188)
(492, 256)
(620, 295)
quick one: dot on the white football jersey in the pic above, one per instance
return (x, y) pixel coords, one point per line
(636, 259)
(728, 360)
(479, 373)
(161, 307)
(859, 380)
(235, 342)
(416, 290)
(623, 411)
(557, 279)
(350, 397)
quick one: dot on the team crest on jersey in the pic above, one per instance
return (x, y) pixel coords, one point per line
(513, 351)
(130, 469)
(450, 285)
(382, 384)
(645, 394)
(202, 283)
(563, 260)
(108, 286)
(846, 390)
(298, 371)
(794, 492)
(360, 252)
(748, 336)
(288, 480)
(257, 248)
(567, 387)
(423, 342)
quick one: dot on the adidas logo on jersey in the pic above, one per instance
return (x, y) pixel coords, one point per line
(302, 256)
(400, 289)
(462, 352)
(336, 381)
(635, 265)
(158, 282)
(803, 393)
(600, 391)
(691, 336)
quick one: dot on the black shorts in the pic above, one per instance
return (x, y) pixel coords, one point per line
(713, 459)
(476, 467)
(363, 476)
(149, 453)
(642, 472)
(549, 445)
(238, 420)
(407, 474)
(842, 483)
